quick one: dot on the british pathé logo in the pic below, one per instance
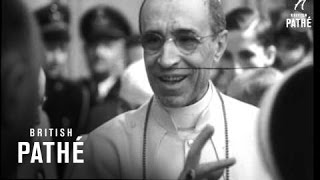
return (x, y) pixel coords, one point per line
(300, 2)
(299, 19)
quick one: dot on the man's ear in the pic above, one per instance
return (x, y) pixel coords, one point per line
(221, 45)
(270, 52)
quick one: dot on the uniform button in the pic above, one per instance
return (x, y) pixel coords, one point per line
(190, 142)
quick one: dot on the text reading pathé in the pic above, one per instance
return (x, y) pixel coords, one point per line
(62, 150)
(298, 20)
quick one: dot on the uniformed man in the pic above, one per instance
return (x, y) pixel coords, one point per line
(67, 102)
(104, 31)
(54, 23)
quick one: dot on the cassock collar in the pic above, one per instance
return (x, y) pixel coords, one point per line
(212, 114)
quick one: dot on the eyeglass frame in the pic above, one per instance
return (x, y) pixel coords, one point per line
(174, 39)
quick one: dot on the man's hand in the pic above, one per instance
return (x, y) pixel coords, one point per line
(192, 169)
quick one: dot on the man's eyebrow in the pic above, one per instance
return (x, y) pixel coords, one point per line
(184, 31)
(152, 31)
(176, 31)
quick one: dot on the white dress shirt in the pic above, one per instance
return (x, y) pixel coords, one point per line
(105, 86)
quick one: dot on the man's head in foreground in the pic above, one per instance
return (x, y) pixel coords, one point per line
(179, 40)
(20, 65)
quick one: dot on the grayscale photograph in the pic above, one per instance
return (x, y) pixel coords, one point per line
(157, 89)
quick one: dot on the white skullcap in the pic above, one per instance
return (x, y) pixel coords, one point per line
(135, 87)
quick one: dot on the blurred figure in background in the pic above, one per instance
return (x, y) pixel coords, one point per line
(293, 45)
(135, 89)
(67, 101)
(54, 21)
(135, 49)
(104, 31)
(250, 44)
(251, 85)
(250, 39)
(21, 54)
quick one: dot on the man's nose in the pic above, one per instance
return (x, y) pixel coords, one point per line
(169, 55)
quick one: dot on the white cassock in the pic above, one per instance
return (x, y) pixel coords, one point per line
(114, 150)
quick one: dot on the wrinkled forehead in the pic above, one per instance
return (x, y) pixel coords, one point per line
(175, 14)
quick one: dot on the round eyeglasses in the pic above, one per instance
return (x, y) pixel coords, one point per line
(187, 43)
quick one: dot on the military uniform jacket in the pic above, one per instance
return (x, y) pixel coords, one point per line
(101, 111)
(67, 104)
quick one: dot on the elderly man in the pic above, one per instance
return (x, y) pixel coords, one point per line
(170, 137)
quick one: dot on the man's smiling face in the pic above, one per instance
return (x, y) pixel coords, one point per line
(175, 76)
